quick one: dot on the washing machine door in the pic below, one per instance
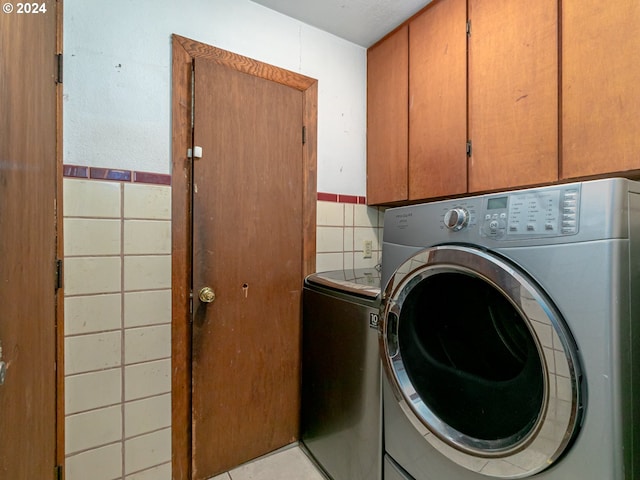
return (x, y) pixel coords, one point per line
(481, 362)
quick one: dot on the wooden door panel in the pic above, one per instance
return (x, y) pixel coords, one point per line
(247, 245)
(513, 93)
(387, 119)
(438, 101)
(28, 175)
(600, 101)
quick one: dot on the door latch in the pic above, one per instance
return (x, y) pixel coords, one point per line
(195, 153)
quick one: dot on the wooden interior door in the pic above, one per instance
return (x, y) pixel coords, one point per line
(513, 93)
(438, 107)
(28, 177)
(247, 247)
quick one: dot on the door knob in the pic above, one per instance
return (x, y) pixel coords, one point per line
(206, 295)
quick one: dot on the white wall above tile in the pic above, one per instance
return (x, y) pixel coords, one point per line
(117, 87)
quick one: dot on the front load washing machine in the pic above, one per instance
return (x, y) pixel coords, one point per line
(510, 335)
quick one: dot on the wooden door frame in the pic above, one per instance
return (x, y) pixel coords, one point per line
(60, 367)
(184, 52)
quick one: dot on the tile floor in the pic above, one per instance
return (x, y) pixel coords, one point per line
(288, 463)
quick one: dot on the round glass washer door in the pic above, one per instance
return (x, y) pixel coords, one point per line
(481, 362)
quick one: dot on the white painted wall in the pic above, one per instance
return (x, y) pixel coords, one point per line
(117, 80)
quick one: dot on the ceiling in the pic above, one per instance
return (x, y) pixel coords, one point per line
(360, 21)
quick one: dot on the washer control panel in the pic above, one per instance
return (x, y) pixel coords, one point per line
(531, 213)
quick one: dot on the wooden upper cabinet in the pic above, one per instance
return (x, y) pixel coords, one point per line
(387, 122)
(513, 92)
(438, 100)
(600, 96)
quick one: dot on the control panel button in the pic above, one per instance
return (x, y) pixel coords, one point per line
(530, 214)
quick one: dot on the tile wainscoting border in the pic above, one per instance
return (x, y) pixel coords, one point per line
(118, 175)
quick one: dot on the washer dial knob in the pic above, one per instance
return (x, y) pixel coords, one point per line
(456, 219)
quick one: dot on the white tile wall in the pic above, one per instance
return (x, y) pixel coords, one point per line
(93, 390)
(117, 278)
(143, 236)
(88, 198)
(147, 308)
(147, 272)
(147, 343)
(147, 379)
(94, 428)
(92, 313)
(84, 353)
(103, 463)
(147, 451)
(83, 275)
(147, 201)
(341, 231)
(147, 415)
(88, 236)
(118, 320)
(163, 472)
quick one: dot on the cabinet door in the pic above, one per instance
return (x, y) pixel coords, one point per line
(438, 101)
(600, 99)
(387, 129)
(513, 93)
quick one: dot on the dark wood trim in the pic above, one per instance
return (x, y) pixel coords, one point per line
(181, 263)
(310, 195)
(245, 64)
(184, 51)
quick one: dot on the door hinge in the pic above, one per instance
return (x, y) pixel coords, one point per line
(304, 134)
(58, 473)
(193, 94)
(59, 67)
(58, 279)
(468, 148)
(468, 28)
